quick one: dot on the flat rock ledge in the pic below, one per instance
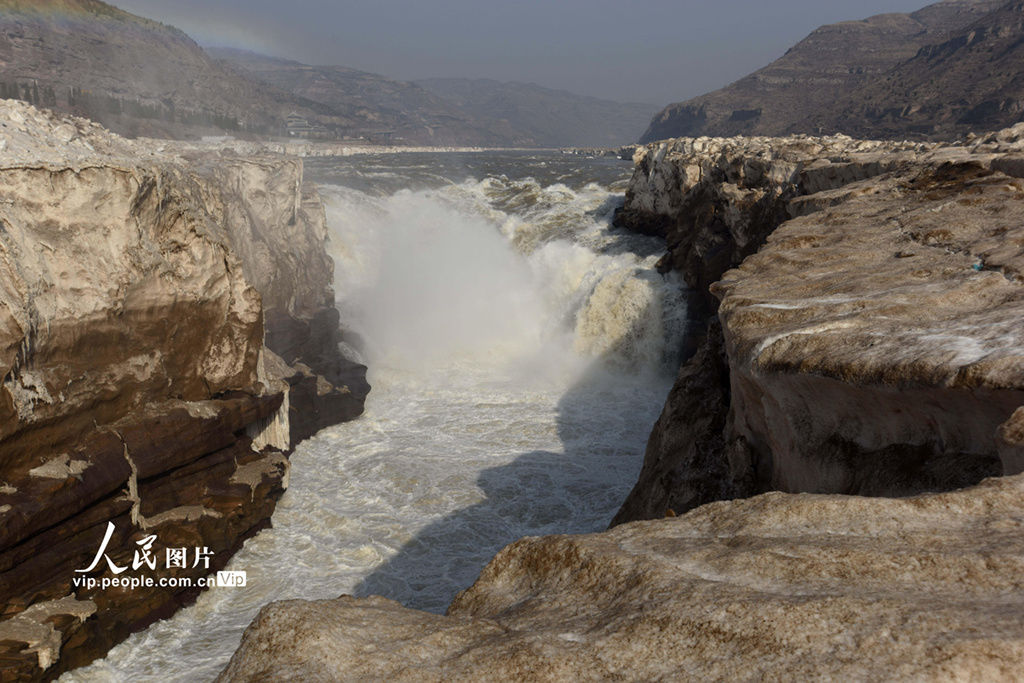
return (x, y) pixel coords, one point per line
(776, 587)
(167, 334)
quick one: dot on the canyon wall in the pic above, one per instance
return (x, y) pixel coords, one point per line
(938, 73)
(167, 334)
(858, 306)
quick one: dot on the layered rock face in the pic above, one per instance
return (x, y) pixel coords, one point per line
(276, 225)
(137, 388)
(777, 587)
(872, 343)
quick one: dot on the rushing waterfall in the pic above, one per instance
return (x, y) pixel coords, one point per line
(519, 351)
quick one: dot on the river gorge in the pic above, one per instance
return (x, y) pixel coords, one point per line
(824, 333)
(519, 350)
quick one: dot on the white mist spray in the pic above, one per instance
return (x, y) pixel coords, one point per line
(437, 285)
(439, 277)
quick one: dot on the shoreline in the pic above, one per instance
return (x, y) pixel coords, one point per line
(330, 149)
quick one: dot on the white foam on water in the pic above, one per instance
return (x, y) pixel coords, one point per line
(519, 353)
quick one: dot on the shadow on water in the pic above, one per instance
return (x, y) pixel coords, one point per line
(538, 493)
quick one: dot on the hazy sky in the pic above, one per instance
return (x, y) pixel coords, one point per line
(654, 51)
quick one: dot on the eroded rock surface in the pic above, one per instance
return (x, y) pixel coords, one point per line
(778, 586)
(136, 385)
(871, 319)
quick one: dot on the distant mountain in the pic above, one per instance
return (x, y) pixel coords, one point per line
(974, 80)
(802, 91)
(449, 110)
(369, 105)
(550, 118)
(140, 77)
(136, 76)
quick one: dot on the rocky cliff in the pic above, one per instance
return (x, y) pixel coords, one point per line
(166, 335)
(866, 338)
(859, 308)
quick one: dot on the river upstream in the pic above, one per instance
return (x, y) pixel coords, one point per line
(519, 350)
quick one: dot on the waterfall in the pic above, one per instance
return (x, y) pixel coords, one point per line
(519, 350)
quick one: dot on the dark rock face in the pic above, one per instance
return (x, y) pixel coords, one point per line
(277, 226)
(684, 466)
(195, 496)
(865, 346)
(325, 387)
(864, 78)
(138, 389)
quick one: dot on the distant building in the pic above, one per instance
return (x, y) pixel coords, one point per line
(298, 126)
(381, 137)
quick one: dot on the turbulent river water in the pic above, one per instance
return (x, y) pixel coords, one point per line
(519, 350)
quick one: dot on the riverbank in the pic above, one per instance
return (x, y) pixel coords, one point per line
(319, 149)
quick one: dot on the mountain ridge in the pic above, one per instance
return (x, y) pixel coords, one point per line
(368, 103)
(134, 75)
(914, 97)
(553, 117)
(467, 111)
(139, 77)
(801, 87)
